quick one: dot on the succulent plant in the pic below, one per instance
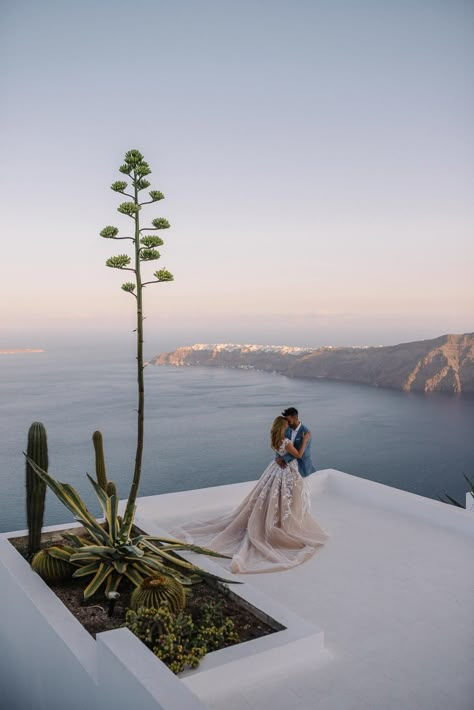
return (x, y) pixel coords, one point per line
(181, 640)
(157, 591)
(112, 552)
(50, 564)
(35, 487)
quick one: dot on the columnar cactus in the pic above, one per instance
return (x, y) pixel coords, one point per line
(100, 471)
(50, 568)
(159, 590)
(35, 488)
(111, 489)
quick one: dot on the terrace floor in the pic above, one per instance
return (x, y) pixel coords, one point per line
(392, 590)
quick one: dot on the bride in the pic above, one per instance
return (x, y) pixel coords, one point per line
(272, 529)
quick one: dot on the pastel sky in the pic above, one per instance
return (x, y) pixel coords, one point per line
(316, 159)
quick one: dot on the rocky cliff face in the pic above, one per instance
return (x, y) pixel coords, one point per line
(445, 364)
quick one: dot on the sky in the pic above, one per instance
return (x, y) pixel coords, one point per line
(316, 158)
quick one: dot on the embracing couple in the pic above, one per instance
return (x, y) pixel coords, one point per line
(272, 529)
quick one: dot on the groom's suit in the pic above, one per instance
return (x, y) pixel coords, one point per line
(305, 465)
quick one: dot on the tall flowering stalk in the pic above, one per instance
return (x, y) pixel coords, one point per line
(144, 249)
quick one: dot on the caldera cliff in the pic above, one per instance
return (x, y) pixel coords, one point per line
(444, 364)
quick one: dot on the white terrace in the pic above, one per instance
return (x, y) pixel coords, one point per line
(386, 604)
(381, 618)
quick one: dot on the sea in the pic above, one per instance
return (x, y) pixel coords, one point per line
(210, 426)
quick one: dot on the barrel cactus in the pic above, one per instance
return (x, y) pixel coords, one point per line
(50, 568)
(35, 488)
(100, 471)
(157, 591)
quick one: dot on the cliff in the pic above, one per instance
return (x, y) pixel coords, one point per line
(444, 364)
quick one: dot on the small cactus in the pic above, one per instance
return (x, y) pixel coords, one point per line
(100, 471)
(35, 488)
(50, 568)
(157, 591)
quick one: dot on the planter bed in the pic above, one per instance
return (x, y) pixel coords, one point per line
(92, 613)
(50, 661)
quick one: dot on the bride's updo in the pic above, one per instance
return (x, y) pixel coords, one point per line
(277, 433)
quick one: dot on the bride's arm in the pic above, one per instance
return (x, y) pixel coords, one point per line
(298, 453)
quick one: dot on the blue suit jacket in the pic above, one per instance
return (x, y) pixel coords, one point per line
(305, 465)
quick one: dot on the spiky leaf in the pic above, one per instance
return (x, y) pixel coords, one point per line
(86, 570)
(72, 500)
(75, 540)
(113, 583)
(61, 553)
(99, 578)
(134, 576)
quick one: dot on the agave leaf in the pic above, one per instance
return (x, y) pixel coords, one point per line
(134, 576)
(152, 564)
(85, 556)
(72, 500)
(120, 566)
(61, 553)
(100, 493)
(85, 570)
(111, 516)
(187, 565)
(76, 540)
(196, 570)
(469, 483)
(99, 550)
(453, 501)
(99, 578)
(188, 547)
(113, 583)
(127, 522)
(171, 544)
(132, 550)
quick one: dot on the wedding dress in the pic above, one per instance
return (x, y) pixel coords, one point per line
(271, 530)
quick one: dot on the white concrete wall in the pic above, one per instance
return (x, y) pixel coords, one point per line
(388, 498)
(48, 661)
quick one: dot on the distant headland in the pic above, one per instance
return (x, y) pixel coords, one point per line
(444, 364)
(19, 351)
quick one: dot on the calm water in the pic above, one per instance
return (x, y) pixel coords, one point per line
(206, 427)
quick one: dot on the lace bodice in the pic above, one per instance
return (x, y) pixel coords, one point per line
(282, 448)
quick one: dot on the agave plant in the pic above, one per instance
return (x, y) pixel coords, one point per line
(110, 553)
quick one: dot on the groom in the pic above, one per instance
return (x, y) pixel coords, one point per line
(295, 433)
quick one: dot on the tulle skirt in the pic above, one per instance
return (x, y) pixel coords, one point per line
(271, 530)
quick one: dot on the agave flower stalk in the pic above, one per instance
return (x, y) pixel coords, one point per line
(144, 249)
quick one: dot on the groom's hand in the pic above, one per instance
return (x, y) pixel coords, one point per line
(281, 462)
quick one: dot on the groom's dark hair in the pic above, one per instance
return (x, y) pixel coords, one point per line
(290, 412)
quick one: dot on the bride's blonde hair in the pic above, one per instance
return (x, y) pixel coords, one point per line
(277, 432)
